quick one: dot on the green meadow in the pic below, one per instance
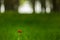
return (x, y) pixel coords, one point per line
(33, 26)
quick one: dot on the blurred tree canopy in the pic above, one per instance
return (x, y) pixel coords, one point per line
(11, 4)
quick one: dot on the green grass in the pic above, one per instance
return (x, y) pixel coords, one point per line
(33, 26)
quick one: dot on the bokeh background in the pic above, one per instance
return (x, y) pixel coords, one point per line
(38, 19)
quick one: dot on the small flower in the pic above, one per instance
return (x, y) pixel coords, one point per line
(19, 31)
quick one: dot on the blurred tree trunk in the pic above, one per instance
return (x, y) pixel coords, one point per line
(43, 4)
(56, 5)
(11, 4)
(33, 5)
